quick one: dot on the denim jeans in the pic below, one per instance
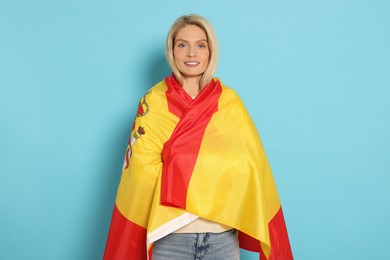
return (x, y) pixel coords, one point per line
(197, 246)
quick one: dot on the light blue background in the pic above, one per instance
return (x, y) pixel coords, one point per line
(314, 75)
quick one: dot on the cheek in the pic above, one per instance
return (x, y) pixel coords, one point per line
(206, 57)
(177, 54)
(207, 54)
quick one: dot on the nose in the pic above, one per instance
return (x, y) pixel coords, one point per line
(191, 52)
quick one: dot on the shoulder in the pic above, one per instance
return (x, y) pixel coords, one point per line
(229, 96)
(157, 91)
(152, 99)
(232, 107)
(155, 95)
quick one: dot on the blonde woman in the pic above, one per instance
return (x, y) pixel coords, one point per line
(196, 183)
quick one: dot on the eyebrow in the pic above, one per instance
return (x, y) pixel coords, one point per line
(202, 40)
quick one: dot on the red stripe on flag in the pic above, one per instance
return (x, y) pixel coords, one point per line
(249, 243)
(180, 152)
(178, 99)
(280, 244)
(126, 240)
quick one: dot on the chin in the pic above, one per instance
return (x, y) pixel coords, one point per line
(192, 73)
(188, 75)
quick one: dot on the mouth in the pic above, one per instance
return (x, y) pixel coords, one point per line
(191, 63)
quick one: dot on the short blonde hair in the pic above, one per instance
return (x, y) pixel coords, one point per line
(202, 23)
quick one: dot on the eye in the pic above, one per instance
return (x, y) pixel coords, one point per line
(180, 45)
(202, 46)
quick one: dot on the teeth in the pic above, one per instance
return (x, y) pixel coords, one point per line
(191, 63)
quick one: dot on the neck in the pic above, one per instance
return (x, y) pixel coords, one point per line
(191, 85)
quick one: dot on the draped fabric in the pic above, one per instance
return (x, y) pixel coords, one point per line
(195, 158)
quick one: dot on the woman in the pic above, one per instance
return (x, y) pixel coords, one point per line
(196, 183)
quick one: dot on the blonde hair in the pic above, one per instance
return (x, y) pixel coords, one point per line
(202, 23)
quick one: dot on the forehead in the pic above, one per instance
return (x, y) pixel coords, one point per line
(191, 33)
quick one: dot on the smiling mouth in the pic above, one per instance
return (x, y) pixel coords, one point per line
(191, 63)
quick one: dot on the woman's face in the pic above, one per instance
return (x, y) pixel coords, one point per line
(191, 51)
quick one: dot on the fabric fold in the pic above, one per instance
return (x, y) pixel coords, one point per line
(180, 152)
(196, 158)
